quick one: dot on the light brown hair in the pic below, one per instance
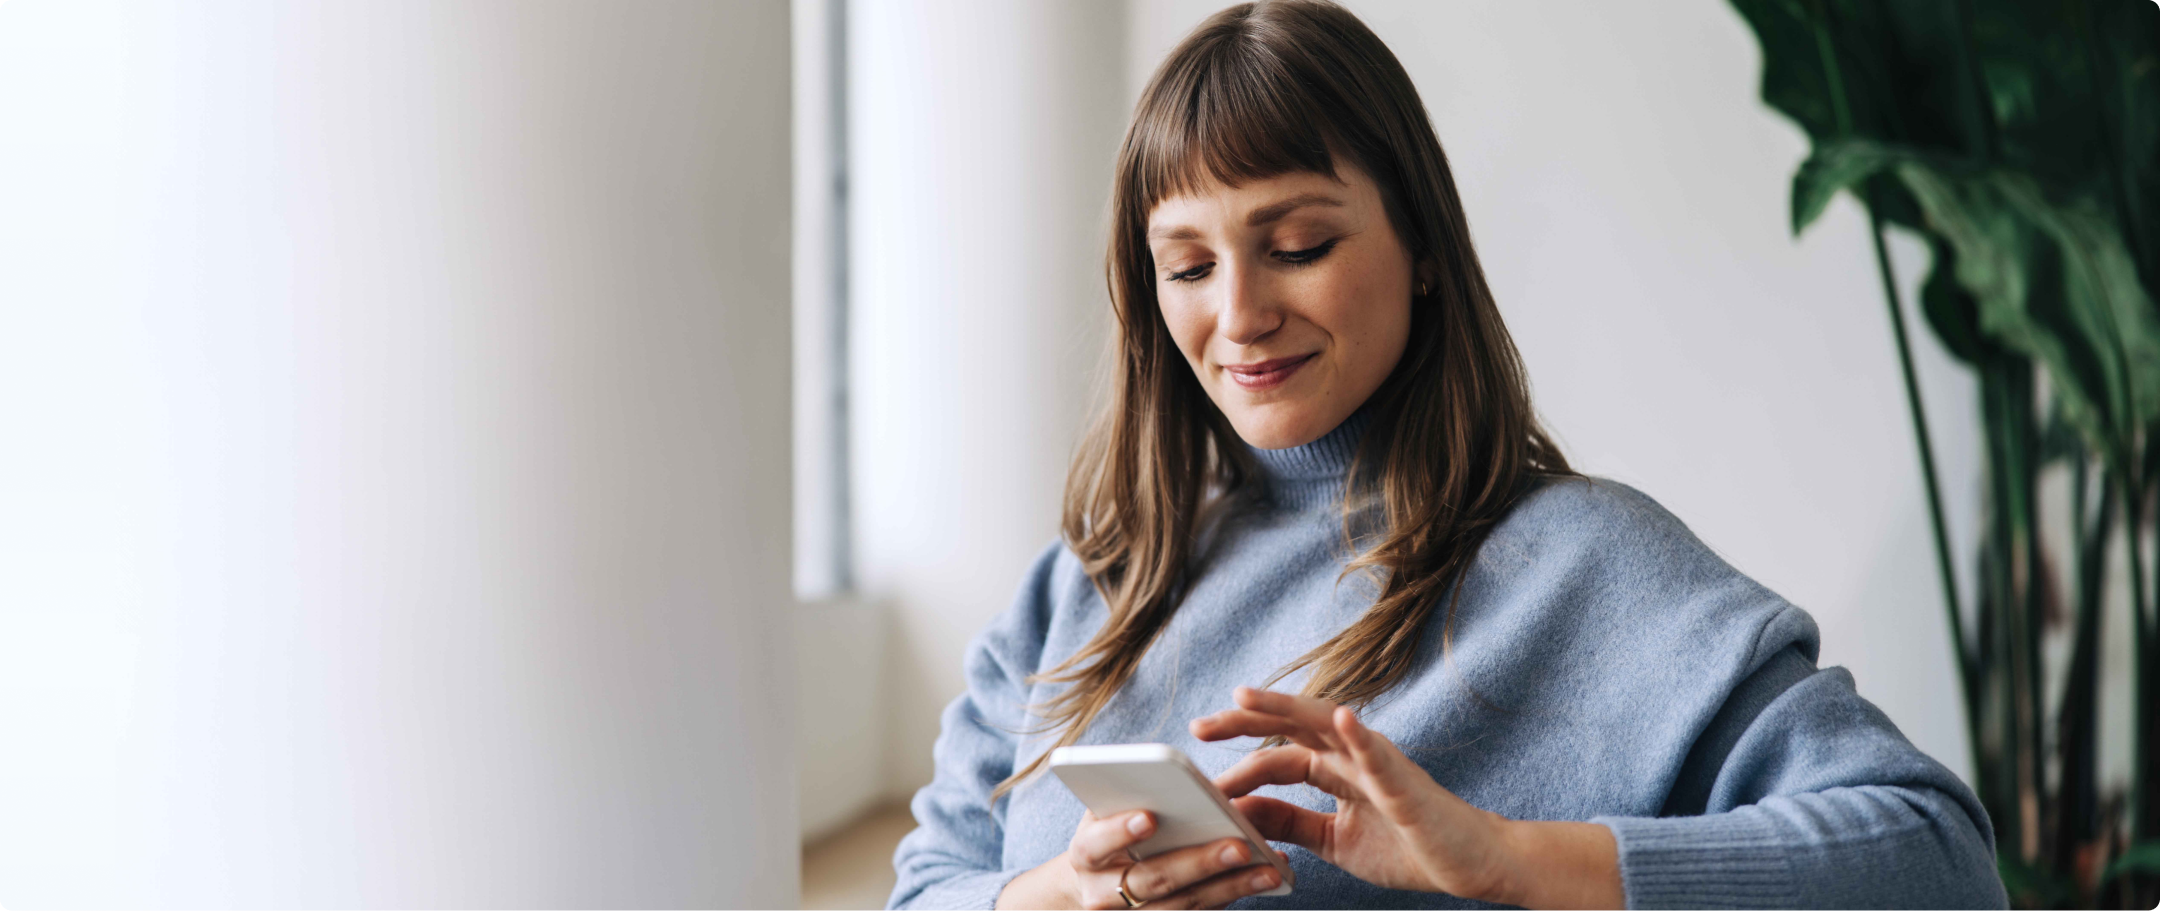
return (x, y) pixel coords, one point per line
(1259, 90)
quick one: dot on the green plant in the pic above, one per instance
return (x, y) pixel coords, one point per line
(2021, 141)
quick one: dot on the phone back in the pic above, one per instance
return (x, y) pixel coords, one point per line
(1188, 808)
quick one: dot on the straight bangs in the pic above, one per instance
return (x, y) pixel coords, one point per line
(1228, 114)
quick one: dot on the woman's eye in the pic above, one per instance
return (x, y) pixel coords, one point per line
(1193, 274)
(1299, 257)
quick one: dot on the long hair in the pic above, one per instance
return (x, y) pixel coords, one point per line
(1259, 90)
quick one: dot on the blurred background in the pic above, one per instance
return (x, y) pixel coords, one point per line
(555, 452)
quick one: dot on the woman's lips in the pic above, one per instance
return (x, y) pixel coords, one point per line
(1267, 374)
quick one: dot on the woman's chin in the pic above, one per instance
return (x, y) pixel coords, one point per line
(1281, 424)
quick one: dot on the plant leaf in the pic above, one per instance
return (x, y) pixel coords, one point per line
(2050, 888)
(2143, 857)
(1836, 166)
(2054, 282)
(2013, 275)
(1950, 310)
(2102, 275)
(2057, 284)
(2068, 93)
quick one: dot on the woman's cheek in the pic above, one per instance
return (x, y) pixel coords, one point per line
(1369, 309)
(1187, 330)
(1341, 307)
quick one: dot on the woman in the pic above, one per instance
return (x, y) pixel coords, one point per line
(1319, 510)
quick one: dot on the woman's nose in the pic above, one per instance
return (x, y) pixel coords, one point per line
(1247, 311)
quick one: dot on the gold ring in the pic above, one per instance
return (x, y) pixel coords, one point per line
(1130, 902)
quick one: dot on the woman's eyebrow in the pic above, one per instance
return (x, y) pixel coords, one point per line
(1275, 211)
(1271, 212)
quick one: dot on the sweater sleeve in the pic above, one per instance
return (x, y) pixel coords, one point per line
(1802, 794)
(955, 856)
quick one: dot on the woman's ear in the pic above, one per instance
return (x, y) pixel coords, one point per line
(1425, 278)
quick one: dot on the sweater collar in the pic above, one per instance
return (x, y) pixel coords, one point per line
(1310, 475)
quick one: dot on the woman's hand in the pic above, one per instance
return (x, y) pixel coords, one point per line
(1393, 825)
(1088, 874)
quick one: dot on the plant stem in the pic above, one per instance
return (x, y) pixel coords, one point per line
(2021, 609)
(2140, 772)
(1944, 566)
(2145, 659)
(2077, 720)
(2000, 608)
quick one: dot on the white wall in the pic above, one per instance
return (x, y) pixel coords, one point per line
(982, 138)
(1627, 191)
(395, 461)
(841, 768)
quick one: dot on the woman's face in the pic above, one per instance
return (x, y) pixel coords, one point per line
(1290, 298)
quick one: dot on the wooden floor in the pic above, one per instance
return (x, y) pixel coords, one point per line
(853, 868)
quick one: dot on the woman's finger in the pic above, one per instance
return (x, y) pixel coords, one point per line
(1221, 890)
(1100, 844)
(1369, 757)
(1281, 765)
(1281, 820)
(1230, 723)
(1386, 769)
(1360, 739)
(1286, 765)
(1171, 872)
(1313, 713)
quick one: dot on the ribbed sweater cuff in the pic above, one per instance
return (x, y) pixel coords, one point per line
(968, 890)
(1720, 860)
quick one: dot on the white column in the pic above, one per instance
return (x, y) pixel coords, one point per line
(982, 139)
(395, 466)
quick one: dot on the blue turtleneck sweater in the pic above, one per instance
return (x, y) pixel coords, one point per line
(1629, 678)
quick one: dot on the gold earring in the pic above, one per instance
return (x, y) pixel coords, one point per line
(1421, 289)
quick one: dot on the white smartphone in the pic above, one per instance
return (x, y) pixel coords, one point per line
(1157, 777)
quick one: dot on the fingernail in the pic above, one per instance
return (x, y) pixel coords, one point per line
(1232, 855)
(1138, 824)
(1264, 879)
